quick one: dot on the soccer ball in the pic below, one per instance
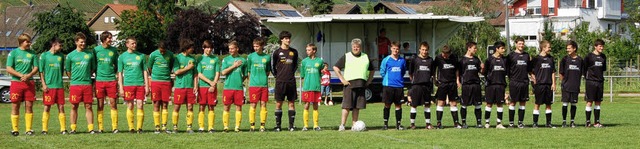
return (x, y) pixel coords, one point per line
(358, 126)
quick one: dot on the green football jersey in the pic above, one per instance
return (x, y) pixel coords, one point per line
(23, 61)
(107, 59)
(259, 68)
(234, 79)
(52, 65)
(311, 72)
(81, 65)
(132, 66)
(208, 66)
(160, 65)
(184, 80)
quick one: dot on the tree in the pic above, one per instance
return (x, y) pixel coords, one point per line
(192, 24)
(558, 46)
(148, 24)
(321, 6)
(227, 26)
(144, 26)
(63, 23)
(368, 8)
(482, 33)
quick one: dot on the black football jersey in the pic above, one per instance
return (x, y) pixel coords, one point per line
(496, 70)
(470, 67)
(571, 70)
(446, 68)
(543, 68)
(422, 70)
(519, 66)
(595, 67)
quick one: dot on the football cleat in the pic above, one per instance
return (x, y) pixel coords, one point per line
(413, 126)
(44, 132)
(211, 131)
(226, 129)
(439, 126)
(317, 129)
(520, 125)
(535, 125)
(399, 127)
(429, 126)
(598, 125)
(304, 129)
(276, 129)
(28, 133)
(92, 132)
(72, 132)
(64, 132)
(341, 128)
(15, 133)
(139, 131)
(487, 125)
(564, 124)
(499, 126)
(573, 125)
(237, 129)
(262, 129)
(385, 127)
(115, 131)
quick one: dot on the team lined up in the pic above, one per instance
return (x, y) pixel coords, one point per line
(127, 74)
(518, 66)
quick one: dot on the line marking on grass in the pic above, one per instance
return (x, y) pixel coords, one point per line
(392, 138)
(35, 142)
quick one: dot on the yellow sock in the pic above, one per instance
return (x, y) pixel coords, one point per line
(189, 118)
(305, 118)
(114, 119)
(45, 121)
(15, 119)
(238, 118)
(90, 127)
(130, 118)
(165, 116)
(156, 118)
(63, 122)
(28, 117)
(100, 120)
(201, 119)
(316, 114)
(225, 119)
(210, 119)
(174, 118)
(140, 114)
(252, 116)
(73, 127)
(263, 115)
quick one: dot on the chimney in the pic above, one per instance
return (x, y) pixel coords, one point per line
(116, 2)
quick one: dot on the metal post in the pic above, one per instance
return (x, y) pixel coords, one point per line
(611, 89)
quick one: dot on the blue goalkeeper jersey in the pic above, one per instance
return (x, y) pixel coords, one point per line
(392, 71)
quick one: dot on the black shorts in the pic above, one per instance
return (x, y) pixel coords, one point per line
(421, 94)
(518, 91)
(286, 89)
(392, 95)
(571, 97)
(354, 98)
(494, 94)
(471, 94)
(543, 94)
(447, 90)
(593, 91)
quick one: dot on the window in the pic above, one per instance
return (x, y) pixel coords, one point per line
(106, 19)
(19, 32)
(570, 3)
(534, 10)
(552, 11)
(112, 18)
(533, 37)
(8, 33)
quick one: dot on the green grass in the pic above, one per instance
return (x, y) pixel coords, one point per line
(619, 118)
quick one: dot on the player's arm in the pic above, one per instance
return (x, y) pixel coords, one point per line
(185, 69)
(120, 76)
(150, 63)
(383, 67)
(229, 69)
(145, 73)
(553, 75)
(274, 60)
(205, 79)
(67, 66)
(371, 71)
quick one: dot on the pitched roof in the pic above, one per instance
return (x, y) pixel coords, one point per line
(16, 20)
(345, 9)
(402, 8)
(117, 8)
(248, 7)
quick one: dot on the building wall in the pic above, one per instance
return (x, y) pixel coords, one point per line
(109, 24)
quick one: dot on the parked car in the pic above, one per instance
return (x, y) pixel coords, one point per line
(4, 90)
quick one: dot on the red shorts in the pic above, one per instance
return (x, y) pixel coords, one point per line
(54, 96)
(258, 94)
(311, 96)
(21, 91)
(233, 97)
(106, 88)
(81, 93)
(160, 91)
(133, 92)
(207, 98)
(184, 94)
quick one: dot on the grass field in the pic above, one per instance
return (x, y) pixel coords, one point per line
(619, 117)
